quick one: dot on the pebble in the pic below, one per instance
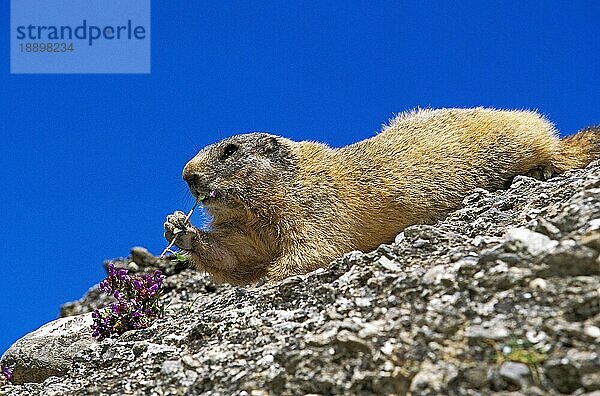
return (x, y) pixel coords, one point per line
(533, 242)
(591, 331)
(388, 264)
(491, 333)
(515, 373)
(538, 284)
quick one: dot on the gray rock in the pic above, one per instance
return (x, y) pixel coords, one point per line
(49, 350)
(141, 256)
(543, 226)
(438, 274)
(591, 239)
(476, 377)
(571, 258)
(388, 264)
(563, 375)
(592, 331)
(583, 305)
(429, 380)
(493, 332)
(538, 284)
(517, 374)
(591, 381)
(532, 242)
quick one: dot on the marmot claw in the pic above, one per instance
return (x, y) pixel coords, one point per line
(178, 227)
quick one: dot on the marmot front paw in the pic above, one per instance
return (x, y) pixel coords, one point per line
(177, 226)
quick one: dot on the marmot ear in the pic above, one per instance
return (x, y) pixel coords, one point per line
(271, 145)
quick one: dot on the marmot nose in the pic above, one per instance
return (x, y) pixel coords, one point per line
(189, 176)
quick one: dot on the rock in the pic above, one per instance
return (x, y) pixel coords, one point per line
(351, 343)
(592, 331)
(467, 265)
(388, 264)
(591, 239)
(538, 284)
(490, 333)
(543, 226)
(476, 377)
(532, 242)
(399, 238)
(142, 257)
(438, 274)
(516, 374)
(430, 379)
(571, 258)
(584, 305)
(591, 381)
(563, 375)
(49, 350)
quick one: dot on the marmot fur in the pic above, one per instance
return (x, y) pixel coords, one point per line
(281, 208)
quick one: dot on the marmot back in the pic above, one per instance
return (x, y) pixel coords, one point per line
(282, 208)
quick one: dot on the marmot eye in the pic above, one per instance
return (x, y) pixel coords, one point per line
(229, 150)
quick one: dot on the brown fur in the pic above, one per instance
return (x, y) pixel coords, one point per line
(284, 208)
(579, 149)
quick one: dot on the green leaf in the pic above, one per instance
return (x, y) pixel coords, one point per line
(181, 258)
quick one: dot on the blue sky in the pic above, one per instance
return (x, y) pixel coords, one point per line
(91, 164)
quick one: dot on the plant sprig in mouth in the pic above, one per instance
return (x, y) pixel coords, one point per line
(202, 197)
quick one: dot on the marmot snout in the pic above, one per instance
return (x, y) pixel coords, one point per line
(281, 208)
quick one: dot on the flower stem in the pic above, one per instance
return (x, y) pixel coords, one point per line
(187, 218)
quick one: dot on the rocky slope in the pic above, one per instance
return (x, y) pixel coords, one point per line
(501, 296)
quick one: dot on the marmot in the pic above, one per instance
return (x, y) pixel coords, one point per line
(281, 208)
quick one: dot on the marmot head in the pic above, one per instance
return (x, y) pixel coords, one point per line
(239, 170)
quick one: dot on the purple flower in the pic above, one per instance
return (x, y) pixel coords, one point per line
(137, 303)
(137, 284)
(105, 287)
(122, 274)
(115, 308)
(8, 374)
